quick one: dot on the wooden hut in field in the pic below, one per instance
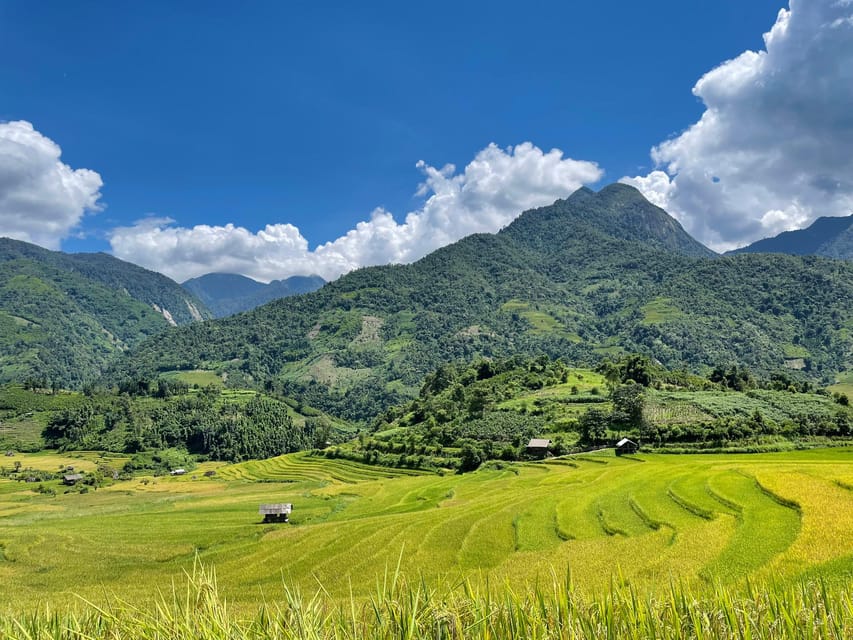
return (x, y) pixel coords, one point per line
(276, 512)
(178, 472)
(71, 479)
(538, 447)
(626, 446)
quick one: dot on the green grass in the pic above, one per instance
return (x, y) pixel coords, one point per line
(324, 370)
(304, 467)
(200, 377)
(584, 381)
(844, 384)
(795, 351)
(700, 520)
(541, 321)
(660, 310)
(22, 434)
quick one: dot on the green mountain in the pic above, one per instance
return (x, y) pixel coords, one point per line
(829, 237)
(597, 274)
(228, 293)
(64, 316)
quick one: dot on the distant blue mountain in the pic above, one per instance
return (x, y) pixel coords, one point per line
(228, 293)
(829, 237)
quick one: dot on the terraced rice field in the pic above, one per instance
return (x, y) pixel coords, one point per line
(303, 467)
(645, 521)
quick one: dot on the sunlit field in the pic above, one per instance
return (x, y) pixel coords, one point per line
(643, 523)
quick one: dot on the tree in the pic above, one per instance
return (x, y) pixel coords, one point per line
(735, 377)
(477, 402)
(628, 404)
(639, 369)
(471, 457)
(612, 373)
(593, 426)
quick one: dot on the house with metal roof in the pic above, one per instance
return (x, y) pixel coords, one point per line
(626, 446)
(538, 447)
(276, 512)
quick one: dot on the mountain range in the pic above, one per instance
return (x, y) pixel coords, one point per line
(829, 237)
(592, 276)
(64, 316)
(227, 293)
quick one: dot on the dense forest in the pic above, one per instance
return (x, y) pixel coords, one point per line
(168, 415)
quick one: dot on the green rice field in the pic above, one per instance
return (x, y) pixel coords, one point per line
(644, 522)
(844, 384)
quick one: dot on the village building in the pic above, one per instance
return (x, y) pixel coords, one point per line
(276, 512)
(626, 446)
(71, 479)
(538, 447)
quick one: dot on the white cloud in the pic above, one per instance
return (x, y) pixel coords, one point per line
(772, 151)
(41, 198)
(492, 190)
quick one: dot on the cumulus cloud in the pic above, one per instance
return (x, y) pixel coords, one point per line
(488, 194)
(772, 151)
(41, 198)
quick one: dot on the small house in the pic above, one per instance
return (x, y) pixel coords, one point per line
(10, 453)
(71, 479)
(178, 472)
(626, 446)
(538, 447)
(276, 512)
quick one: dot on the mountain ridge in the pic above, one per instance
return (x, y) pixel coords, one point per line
(228, 293)
(568, 280)
(831, 237)
(64, 316)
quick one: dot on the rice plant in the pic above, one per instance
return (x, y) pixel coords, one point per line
(414, 610)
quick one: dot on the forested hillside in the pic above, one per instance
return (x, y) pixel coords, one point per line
(597, 274)
(468, 413)
(64, 316)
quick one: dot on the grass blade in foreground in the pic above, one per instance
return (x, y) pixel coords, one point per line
(414, 611)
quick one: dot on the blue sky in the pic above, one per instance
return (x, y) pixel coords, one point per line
(315, 114)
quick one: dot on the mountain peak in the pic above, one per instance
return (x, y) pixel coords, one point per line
(620, 189)
(617, 210)
(580, 194)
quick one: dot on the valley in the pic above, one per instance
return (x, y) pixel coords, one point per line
(445, 427)
(457, 321)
